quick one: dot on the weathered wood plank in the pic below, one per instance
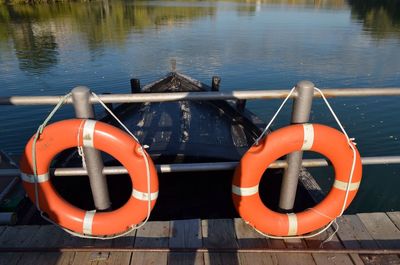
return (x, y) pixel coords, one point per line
(18, 236)
(221, 259)
(153, 234)
(149, 258)
(380, 259)
(332, 259)
(247, 237)
(382, 230)
(294, 259)
(92, 258)
(47, 236)
(186, 258)
(127, 240)
(67, 240)
(66, 258)
(9, 258)
(257, 258)
(38, 258)
(395, 218)
(319, 242)
(185, 234)
(2, 228)
(218, 233)
(353, 233)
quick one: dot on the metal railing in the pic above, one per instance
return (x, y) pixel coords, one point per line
(301, 110)
(198, 167)
(176, 96)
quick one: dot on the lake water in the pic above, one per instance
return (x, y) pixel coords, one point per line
(48, 49)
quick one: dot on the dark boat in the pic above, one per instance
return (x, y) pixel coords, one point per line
(182, 132)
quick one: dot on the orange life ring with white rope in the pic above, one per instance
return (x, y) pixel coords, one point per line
(314, 137)
(65, 134)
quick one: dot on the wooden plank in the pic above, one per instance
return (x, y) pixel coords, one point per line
(68, 240)
(18, 236)
(353, 233)
(178, 258)
(2, 228)
(334, 243)
(185, 234)
(221, 259)
(381, 228)
(257, 258)
(153, 234)
(380, 259)
(47, 236)
(294, 259)
(92, 258)
(218, 233)
(127, 240)
(395, 218)
(9, 258)
(149, 258)
(247, 237)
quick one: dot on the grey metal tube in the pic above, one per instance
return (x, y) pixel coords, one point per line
(8, 218)
(163, 97)
(197, 167)
(300, 114)
(93, 161)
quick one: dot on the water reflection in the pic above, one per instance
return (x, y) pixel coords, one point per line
(36, 29)
(380, 18)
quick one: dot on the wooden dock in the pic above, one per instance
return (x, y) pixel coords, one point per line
(368, 238)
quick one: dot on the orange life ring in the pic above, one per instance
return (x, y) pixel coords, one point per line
(66, 134)
(315, 137)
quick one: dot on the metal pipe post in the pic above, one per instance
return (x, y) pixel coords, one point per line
(135, 86)
(215, 82)
(300, 114)
(94, 163)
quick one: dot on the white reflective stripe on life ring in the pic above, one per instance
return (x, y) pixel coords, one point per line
(244, 191)
(144, 196)
(292, 217)
(308, 140)
(32, 178)
(88, 222)
(341, 185)
(88, 133)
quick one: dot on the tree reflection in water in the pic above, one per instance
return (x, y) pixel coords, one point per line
(381, 18)
(36, 30)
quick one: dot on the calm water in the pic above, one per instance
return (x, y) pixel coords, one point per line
(49, 49)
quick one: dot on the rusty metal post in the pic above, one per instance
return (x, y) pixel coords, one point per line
(93, 161)
(300, 114)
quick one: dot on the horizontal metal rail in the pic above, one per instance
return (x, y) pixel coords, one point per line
(163, 97)
(36, 249)
(200, 167)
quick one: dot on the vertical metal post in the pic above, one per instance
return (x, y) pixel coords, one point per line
(300, 114)
(135, 85)
(94, 163)
(216, 80)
